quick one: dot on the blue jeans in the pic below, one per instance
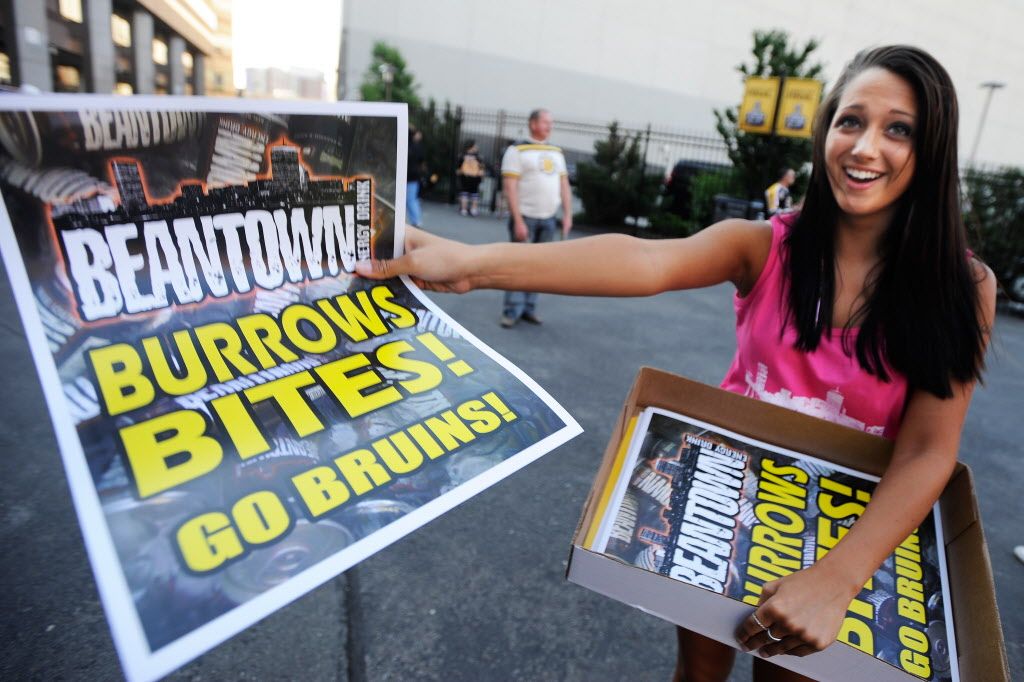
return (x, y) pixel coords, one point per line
(537, 230)
(412, 203)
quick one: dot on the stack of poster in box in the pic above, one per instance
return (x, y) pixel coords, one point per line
(726, 513)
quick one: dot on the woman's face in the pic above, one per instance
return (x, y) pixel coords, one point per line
(869, 149)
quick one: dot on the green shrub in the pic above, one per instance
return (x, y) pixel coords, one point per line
(670, 225)
(615, 184)
(440, 127)
(704, 187)
(994, 213)
(403, 83)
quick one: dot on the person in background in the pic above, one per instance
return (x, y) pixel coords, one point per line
(777, 197)
(416, 164)
(470, 171)
(535, 181)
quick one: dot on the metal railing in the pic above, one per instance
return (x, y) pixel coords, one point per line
(494, 129)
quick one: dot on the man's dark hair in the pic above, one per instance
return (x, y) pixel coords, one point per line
(920, 312)
(535, 114)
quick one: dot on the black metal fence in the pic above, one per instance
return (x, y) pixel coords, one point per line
(494, 129)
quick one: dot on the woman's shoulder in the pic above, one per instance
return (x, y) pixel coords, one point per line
(987, 285)
(755, 240)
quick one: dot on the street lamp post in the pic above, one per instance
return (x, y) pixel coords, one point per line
(387, 74)
(992, 86)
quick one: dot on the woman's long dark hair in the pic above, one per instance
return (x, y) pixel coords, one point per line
(920, 311)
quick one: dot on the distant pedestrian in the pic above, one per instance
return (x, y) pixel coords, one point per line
(777, 197)
(416, 165)
(535, 181)
(470, 171)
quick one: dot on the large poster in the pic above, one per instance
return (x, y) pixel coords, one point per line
(240, 417)
(727, 513)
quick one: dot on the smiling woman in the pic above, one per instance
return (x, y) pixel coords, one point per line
(869, 150)
(868, 295)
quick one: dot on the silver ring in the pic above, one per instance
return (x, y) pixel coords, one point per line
(767, 631)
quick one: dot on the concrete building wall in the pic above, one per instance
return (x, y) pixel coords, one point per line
(100, 45)
(176, 48)
(142, 52)
(670, 63)
(30, 43)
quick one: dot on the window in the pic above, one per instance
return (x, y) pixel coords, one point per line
(188, 62)
(123, 88)
(70, 10)
(121, 31)
(159, 52)
(69, 79)
(5, 68)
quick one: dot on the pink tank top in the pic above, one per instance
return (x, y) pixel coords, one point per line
(826, 383)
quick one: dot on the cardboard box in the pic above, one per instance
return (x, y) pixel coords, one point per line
(979, 638)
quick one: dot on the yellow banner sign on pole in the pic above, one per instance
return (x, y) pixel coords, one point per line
(758, 109)
(800, 98)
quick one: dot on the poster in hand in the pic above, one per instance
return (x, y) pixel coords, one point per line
(726, 513)
(240, 416)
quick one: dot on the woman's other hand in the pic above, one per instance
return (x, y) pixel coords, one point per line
(798, 615)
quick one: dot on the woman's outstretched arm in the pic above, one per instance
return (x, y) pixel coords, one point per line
(605, 265)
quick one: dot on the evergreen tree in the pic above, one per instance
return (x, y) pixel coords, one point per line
(403, 83)
(615, 185)
(759, 159)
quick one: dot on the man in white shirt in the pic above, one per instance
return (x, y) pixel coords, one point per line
(535, 181)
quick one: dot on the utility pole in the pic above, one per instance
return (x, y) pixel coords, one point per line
(992, 86)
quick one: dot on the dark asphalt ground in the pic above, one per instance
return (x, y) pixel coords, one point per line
(480, 593)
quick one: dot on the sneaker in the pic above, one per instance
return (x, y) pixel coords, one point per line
(463, 212)
(1018, 551)
(530, 317)
(508, 322)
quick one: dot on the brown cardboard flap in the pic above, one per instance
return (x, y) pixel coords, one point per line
(978, 630)
(980, 646)
(763, 421)
(958, 504)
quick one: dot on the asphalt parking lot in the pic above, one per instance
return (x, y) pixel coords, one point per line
(478, 594)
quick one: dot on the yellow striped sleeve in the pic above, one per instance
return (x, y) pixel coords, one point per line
(539, 147)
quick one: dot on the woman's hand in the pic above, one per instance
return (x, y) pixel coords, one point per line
(433, 263)
(799, 614)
